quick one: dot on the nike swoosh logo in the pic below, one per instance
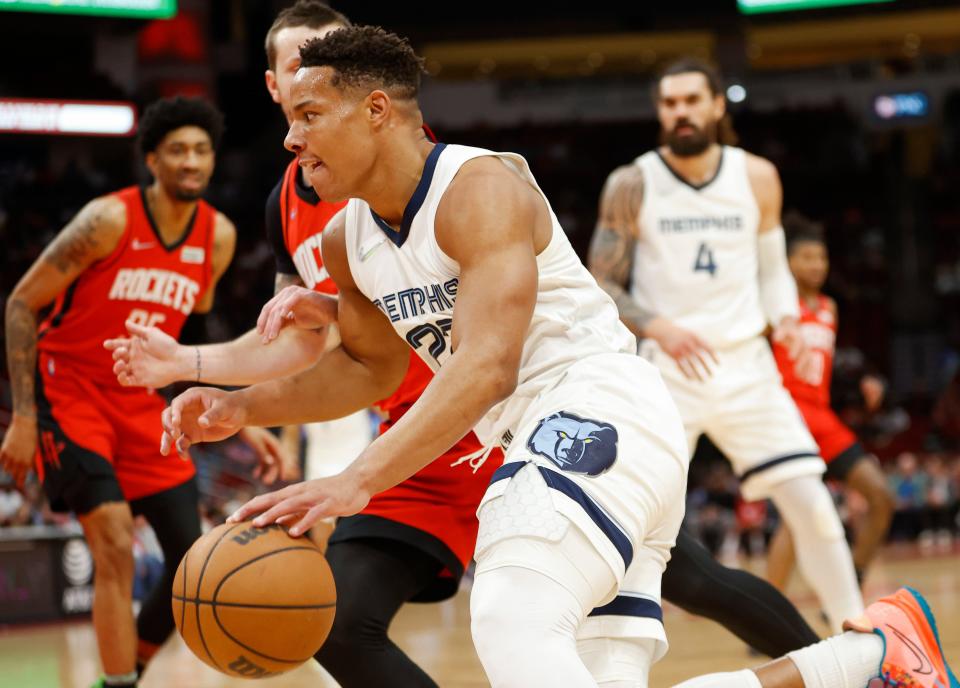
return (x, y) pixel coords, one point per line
(925, 667)
(138, 246)
(366, 254)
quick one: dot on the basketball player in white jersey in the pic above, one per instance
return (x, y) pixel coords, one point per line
(532, 354)
(693, 230)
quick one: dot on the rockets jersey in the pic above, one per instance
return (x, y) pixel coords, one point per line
(696, 256)
(302, 216)
(818, 326)
(414, 283)
(143, 280)
(296, 238)
(296, 218)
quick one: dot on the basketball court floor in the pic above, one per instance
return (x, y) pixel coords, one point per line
(65, 655)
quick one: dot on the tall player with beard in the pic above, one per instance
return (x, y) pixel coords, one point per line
(149, 255)
(411, 543)
(691, 248)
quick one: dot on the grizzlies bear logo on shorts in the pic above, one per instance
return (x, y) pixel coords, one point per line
(576, 445)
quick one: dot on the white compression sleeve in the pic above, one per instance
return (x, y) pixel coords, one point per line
(733, 679)
(778, 291)
(850, 660)
(824, 558)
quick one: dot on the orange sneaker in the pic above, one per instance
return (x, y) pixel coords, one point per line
(912, 655)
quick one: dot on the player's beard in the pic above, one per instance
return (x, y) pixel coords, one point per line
(689, 145)
(186, 195)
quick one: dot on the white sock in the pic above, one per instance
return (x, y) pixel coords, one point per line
(850, 660)
(822, 552)
(733, 679)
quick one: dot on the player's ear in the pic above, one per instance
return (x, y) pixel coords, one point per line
(270, 77)
(378, 106)
(719, 105)
(151, 162)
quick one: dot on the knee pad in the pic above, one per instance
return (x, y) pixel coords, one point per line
(806, 506)
(825, 518)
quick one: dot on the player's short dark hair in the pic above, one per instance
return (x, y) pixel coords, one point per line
(163, 116)
(686, 65)
(801, 229)
(313, 14)
(367, 56)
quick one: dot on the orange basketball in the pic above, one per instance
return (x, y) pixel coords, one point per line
(253, 602)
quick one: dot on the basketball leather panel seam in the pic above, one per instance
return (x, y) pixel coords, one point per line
(203, 570)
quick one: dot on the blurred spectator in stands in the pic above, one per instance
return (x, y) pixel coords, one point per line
(940, 498)
(909, 486)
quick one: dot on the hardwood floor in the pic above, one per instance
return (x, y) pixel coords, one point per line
(438, 635)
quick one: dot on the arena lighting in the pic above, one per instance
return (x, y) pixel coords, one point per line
(69, 117)
(901, 106)
(138, 9)
(736, 93)
(758, 6)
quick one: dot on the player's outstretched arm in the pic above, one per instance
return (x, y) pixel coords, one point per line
(493, 224)
(149, 357)
(90, 236)
(367, 366)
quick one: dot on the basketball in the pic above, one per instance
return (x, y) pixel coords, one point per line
(253, 602)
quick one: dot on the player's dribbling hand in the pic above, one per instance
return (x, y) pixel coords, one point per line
(273, 460)
(201, 414)
(306, 503)
(18, 449)
(297, 306)
(692, 354)
(149, 357)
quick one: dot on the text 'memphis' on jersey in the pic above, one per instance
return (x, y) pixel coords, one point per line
(407, 275)
(818, 326)
(696, 256)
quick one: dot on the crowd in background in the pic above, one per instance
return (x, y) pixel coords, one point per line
(834, 170)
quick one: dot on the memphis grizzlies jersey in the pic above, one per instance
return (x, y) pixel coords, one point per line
(408, 276)
(696, 256)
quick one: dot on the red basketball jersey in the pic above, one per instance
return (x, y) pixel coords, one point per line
(439, 499)
(303, 223)
(819, 330)
(143, 280)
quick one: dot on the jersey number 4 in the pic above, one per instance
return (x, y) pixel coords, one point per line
(705, 260)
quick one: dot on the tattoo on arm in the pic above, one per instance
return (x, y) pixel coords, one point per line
(284, 280)
(614, 242)
(21, 330)
(77, 241)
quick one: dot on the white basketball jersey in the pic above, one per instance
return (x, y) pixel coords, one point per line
(408, 277)
(696, 257)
